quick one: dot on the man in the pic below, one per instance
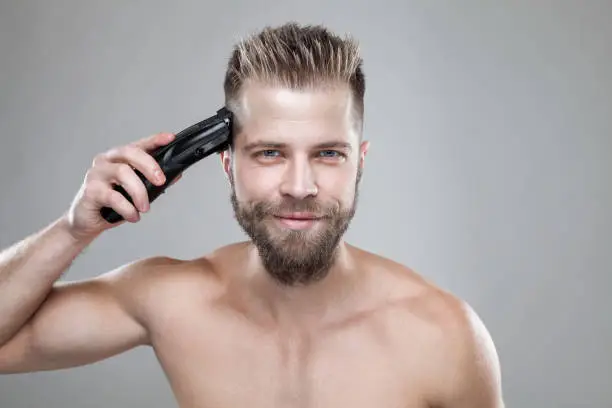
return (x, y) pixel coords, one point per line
(295, 317)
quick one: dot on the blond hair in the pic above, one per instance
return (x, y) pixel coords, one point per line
(297, 57)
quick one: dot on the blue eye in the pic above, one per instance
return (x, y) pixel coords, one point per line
(269, 153)
(330, 153)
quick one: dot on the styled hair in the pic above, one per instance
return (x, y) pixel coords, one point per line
(296, 57)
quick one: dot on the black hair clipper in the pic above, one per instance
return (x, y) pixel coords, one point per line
(212, 135)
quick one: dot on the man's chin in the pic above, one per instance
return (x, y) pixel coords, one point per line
(292, 263)
(292, 255)
(292, 242)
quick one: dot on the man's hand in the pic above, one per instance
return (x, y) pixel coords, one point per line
(116, 166)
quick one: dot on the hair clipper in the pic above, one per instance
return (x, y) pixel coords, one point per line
(212, 135)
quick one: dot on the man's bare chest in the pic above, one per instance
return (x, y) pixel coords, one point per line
(233, 364)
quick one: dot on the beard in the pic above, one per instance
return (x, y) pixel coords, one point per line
(295, 257)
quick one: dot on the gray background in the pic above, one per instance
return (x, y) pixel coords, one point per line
(491, 133)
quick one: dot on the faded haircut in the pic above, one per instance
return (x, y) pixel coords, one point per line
(296, 57)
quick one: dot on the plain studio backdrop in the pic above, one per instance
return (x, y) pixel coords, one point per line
(491, 131)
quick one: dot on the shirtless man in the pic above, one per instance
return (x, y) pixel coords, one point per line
(295, 317)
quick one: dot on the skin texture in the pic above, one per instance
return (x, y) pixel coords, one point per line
(236, 329)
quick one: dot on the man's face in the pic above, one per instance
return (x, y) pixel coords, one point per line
(294, 176)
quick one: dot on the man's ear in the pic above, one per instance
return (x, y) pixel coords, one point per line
(363, 151)
(226, 162)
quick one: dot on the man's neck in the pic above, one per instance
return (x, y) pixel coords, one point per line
(306, 304)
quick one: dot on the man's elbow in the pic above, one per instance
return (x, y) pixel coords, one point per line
(17, 353)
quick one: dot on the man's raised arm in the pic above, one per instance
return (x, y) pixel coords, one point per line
(49, 325)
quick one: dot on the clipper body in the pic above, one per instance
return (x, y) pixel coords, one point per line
(212, 135)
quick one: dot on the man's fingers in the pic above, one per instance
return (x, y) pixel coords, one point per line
(140, 160)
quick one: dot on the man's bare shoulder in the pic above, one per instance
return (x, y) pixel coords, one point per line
(445, 318)
(152, 283)
(457, 350)
(412, 291)
(163, 271)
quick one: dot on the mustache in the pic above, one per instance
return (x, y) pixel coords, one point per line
(291, 205)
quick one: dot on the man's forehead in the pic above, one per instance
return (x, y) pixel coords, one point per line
(261, 101)
(315, 115)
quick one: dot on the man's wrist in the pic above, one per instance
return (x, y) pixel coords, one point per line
(68, 235)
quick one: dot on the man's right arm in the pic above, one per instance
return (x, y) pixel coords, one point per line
(46, 325)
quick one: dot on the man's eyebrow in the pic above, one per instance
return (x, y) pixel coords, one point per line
(337, 145)
(265, 144)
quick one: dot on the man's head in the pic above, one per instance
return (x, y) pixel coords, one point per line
(296, 160)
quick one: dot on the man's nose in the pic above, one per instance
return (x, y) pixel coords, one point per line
(299, 180)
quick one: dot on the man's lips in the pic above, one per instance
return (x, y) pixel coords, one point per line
(297, 220)
(303, 216)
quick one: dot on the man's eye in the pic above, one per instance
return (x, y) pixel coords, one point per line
(330, 153)
(269, 153)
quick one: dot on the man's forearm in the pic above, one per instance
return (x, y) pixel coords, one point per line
(28, 270)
